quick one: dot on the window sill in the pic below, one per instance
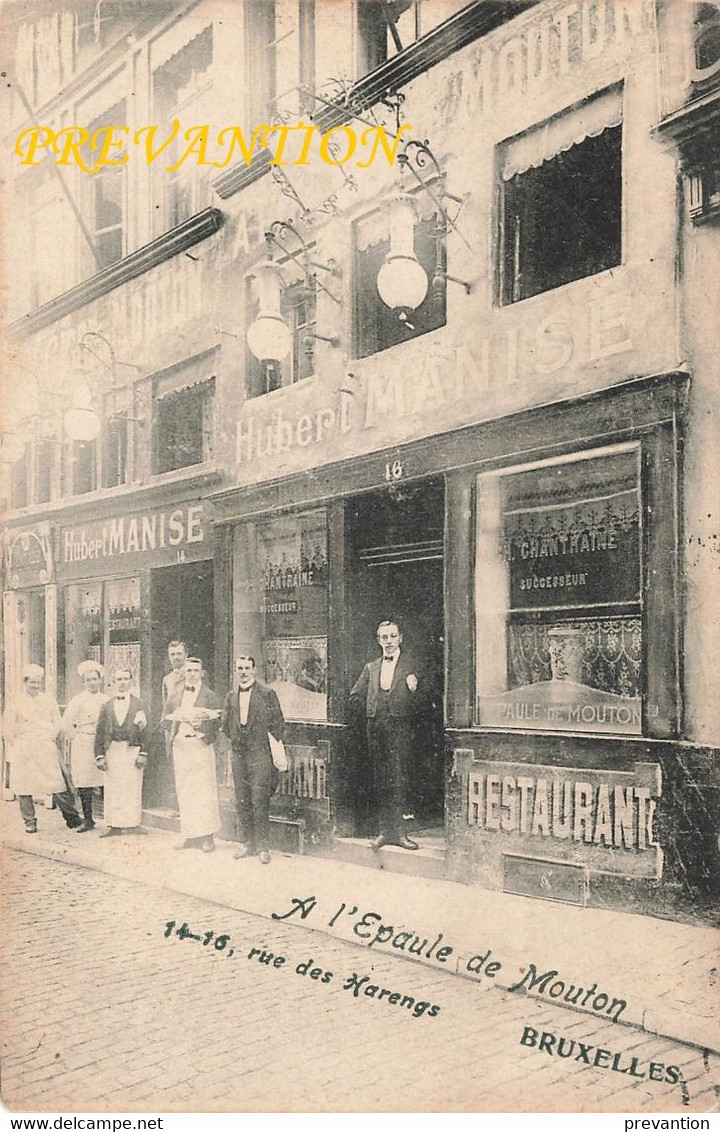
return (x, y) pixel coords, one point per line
(198, 475)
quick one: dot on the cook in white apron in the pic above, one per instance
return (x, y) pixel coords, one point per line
(79, 725)
(30, 726)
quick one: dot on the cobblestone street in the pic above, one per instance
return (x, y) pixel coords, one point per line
(107, 1008)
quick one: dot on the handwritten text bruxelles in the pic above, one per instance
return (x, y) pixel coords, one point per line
(288, 145)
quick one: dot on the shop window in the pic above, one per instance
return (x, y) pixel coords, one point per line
(387, 27)
(182, 88)
(298, 306)
(83, 466)
(44, 460)
(20, 486)
(280, 608)
(115, 451)
(102, 622)
(183, 412)
(559, 617)
(377, 327)
(260, 56)
(561, 207)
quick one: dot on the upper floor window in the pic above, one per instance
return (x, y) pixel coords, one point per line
(183, 415)
(376, 326)
(298, 307)
(44, 462)
(115, 450)
(83, 466)
(561, 206)
(386, 27)
(707, 43)
(182, 89)
(20, 480)
(261, 61)
(105, 191)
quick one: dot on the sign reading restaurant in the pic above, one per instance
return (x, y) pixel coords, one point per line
(154, 537)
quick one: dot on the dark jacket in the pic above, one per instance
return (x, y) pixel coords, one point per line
(108, 729)
(402, 703)
(206, 698)
(264, 714)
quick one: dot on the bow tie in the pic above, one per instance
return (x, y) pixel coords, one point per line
(122, 698)
(190, 688)
(388, 660)
(244, 691)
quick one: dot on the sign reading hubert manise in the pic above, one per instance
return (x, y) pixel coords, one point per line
(154, 537)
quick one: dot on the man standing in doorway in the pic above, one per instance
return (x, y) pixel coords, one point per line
(251, 712)
(387, 692)
(193, 712)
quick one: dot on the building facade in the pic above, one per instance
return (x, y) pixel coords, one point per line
(438, 350)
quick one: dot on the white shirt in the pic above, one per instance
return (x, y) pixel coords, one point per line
(387, 671)
(244, 703)
(121, 706)
(187, 700)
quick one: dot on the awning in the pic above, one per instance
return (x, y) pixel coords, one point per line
(528, 151)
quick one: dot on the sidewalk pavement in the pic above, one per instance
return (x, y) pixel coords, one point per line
(668, 974)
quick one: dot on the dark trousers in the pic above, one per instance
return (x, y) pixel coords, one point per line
(256, 781)
(64, 803)
(389, 745)
(86, 801)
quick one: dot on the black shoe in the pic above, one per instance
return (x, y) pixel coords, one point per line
(31, 828)
(188, 843)
(406, 843)
(85, 827)
(379, 842)
(112, 831)
(74, 823)
(244, 851)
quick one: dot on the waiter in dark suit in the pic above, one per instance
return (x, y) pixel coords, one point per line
(387, 691)
(251, 711)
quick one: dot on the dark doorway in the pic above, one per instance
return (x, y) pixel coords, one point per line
(395, 557)
(181, 604)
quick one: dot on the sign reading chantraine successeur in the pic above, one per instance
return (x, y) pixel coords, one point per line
(154, 537)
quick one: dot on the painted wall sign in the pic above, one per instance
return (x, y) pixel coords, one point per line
(600, 818)
(155, 537)
(28, 557)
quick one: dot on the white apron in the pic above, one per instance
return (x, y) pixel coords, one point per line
(123, 786)
(31, 724)
(196, 786)
(79, 724)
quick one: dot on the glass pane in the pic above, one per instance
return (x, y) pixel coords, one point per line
(558, 597)
(83, 631)
(123, 613)
(281, 608)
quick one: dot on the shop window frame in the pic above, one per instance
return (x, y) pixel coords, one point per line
(580, 614)
(648, 410)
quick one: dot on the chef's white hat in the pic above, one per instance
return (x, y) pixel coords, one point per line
(88, 666)
(33, 672)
